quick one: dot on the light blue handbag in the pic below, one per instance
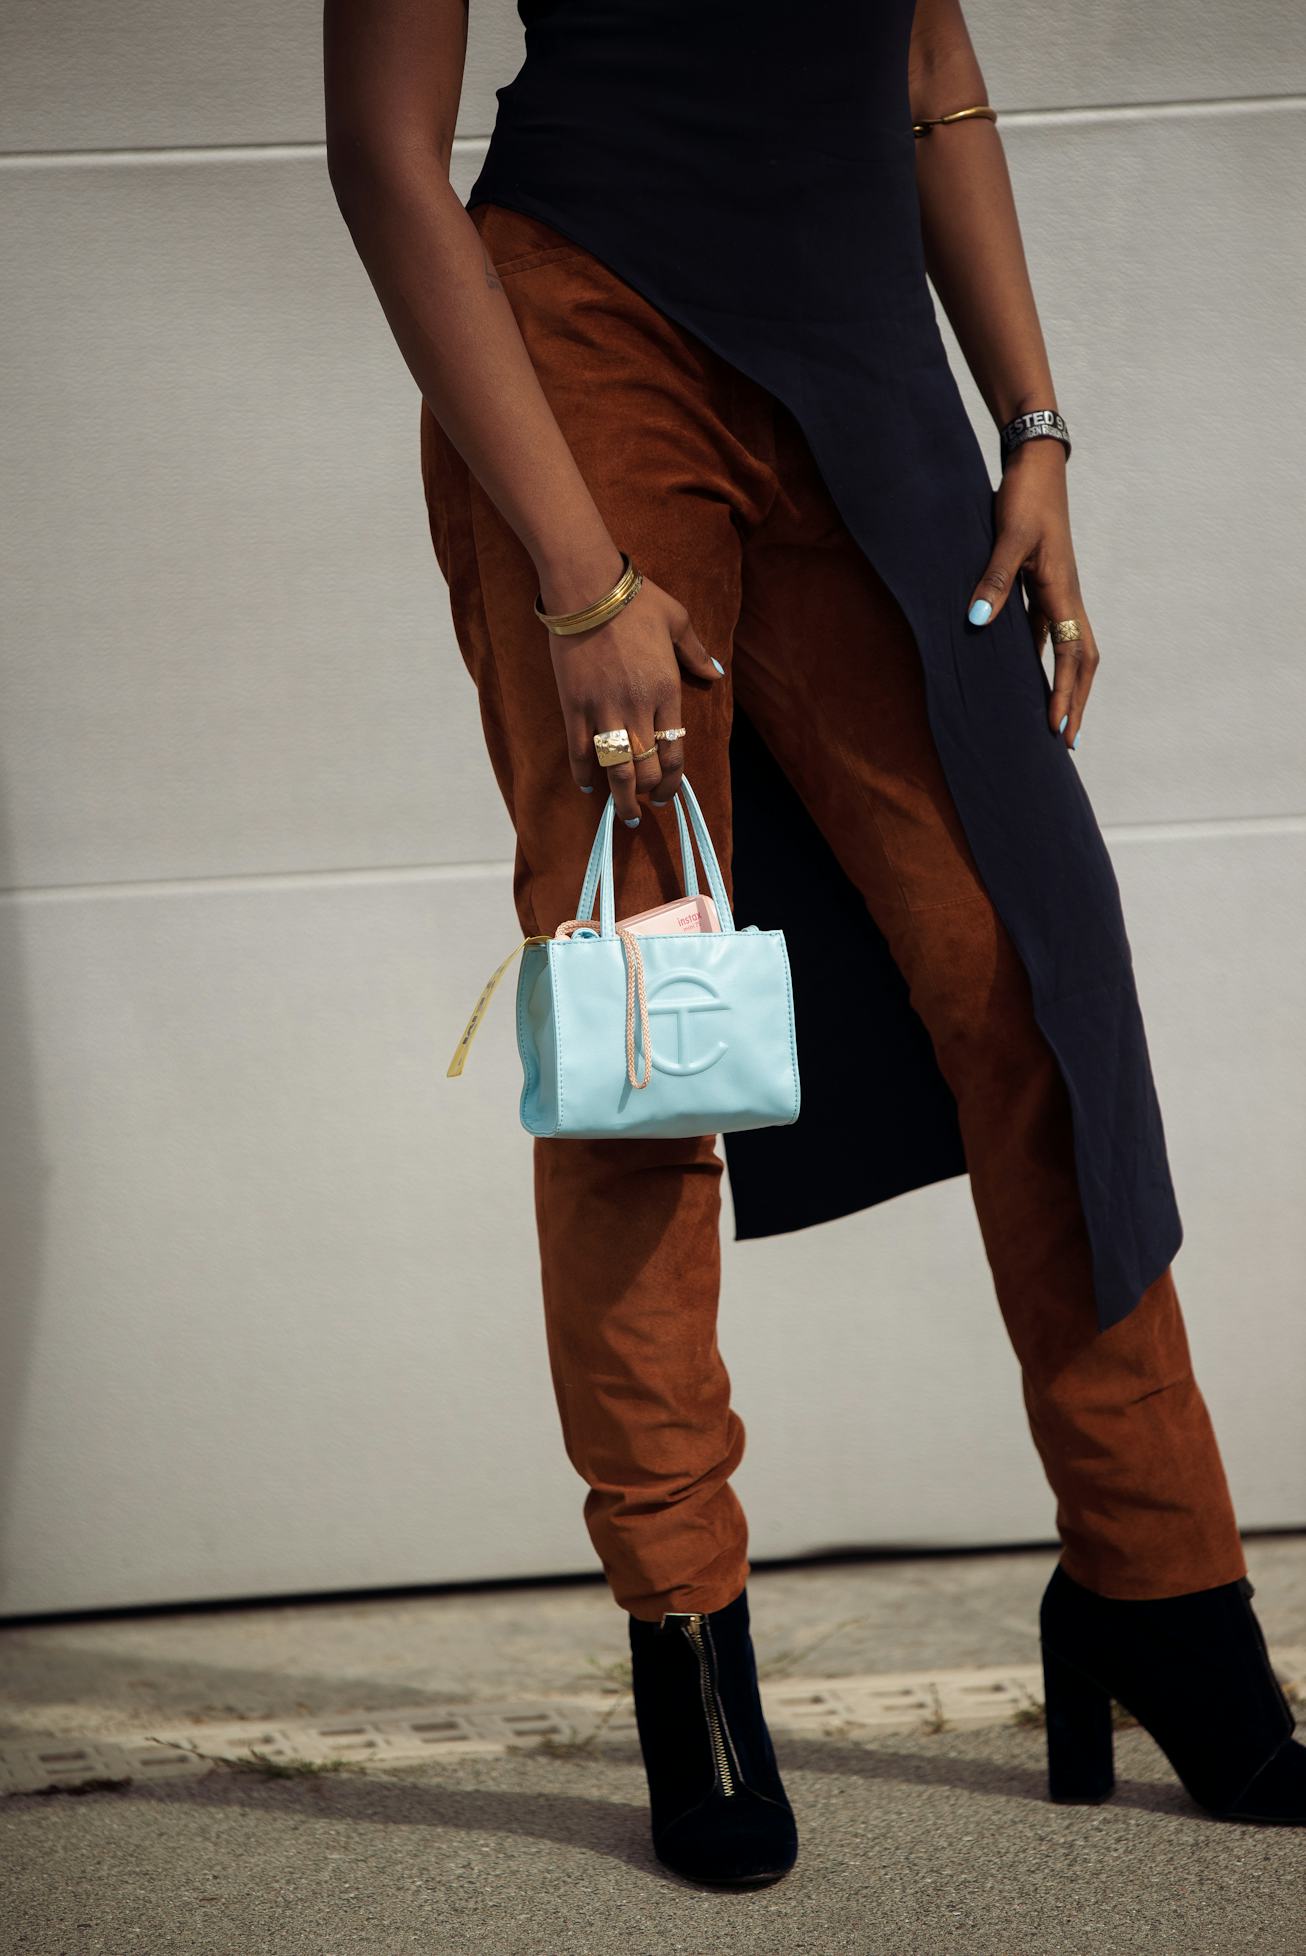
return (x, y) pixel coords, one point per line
(641, 1034)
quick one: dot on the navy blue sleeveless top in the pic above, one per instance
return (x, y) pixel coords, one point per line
(749, 168)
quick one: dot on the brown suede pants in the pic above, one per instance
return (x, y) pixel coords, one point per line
(708, 482)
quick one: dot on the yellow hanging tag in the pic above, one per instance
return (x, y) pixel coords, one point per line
(459, 1059)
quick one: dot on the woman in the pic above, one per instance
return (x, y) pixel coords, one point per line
(681, 326)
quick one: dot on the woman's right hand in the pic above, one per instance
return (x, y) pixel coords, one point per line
(627, 673)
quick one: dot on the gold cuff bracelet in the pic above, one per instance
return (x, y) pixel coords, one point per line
(981, 114)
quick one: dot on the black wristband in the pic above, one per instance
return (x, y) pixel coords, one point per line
(1033, 427)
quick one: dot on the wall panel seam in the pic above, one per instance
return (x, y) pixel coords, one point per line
(1069, 114)
(1199, 829)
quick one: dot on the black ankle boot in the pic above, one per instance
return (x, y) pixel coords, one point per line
(720, 1813)
(1195, 1672)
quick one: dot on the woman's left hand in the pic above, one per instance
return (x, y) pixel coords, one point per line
(1032, 518)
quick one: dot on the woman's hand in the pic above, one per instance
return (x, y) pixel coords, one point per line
(627, 673)
(1033, 543)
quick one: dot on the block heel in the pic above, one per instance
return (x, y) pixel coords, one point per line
(1081, 1762)
(1195, 1672)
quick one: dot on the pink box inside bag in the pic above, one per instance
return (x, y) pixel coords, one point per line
(675, 918)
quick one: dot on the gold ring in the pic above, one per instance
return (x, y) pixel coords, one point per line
(670, 733)
(1065, 631)
(612, 747)
(648, 753)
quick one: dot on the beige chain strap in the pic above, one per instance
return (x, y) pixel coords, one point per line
(634, 985)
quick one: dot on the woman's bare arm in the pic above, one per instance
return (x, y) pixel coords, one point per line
(973, 245)
(976, 261)
(393, 71)
(393, 78)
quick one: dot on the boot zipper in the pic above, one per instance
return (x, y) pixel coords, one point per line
(718, 1733)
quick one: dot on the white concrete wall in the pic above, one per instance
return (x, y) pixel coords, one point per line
(270, 1318)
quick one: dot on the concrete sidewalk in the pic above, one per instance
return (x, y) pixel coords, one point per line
(935, 1836)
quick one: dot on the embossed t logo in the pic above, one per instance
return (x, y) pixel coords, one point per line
(683, 1010)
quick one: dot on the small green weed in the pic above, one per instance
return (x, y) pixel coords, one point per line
(936, 1720)
(262, 1762)
(783, 1662)
(615, 1672)
(576, 1748)
(1034, 1715)
(254, 1761)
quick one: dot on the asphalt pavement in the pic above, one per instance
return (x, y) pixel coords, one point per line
(936, 1838)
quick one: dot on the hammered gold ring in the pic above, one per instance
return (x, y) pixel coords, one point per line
(612, 747)
(1065, 631)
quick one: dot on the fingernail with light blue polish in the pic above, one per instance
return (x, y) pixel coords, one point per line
(632, 821)
(655, 804)
(584, 790)
(1065, 722)
(1075, 742)
(980, 612)
(720, 668)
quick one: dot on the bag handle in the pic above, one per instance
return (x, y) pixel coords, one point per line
(716, 882)
(598, 870)
(688, 867)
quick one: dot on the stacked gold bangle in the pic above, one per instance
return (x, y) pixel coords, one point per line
(564, 623)
(983, 113)
(613, 746)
